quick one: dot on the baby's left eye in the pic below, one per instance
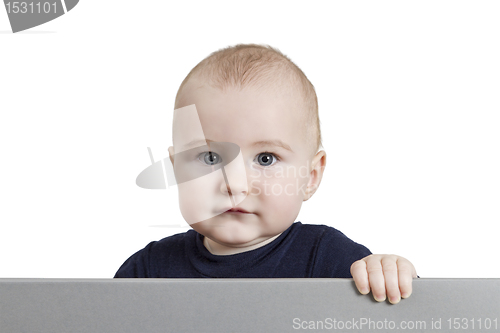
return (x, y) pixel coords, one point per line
(266, 159)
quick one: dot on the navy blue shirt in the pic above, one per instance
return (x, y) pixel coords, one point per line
(301, 251)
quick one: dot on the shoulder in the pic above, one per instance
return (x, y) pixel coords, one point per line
(174, 241)
(334, 237)
(142, 264)
(327, 238)
(322, 232)
(335, 252)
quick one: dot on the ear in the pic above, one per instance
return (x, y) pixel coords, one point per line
(318, 165)
(171, 154)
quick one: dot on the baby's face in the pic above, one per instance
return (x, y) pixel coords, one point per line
(267, 176)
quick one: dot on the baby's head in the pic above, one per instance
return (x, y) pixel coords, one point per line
(247, 120)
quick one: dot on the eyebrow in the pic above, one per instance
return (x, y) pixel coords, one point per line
(197, 143)
(276, 143)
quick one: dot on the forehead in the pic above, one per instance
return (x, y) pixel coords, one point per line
(242, 116)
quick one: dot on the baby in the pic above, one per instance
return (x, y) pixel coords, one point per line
(246, 154)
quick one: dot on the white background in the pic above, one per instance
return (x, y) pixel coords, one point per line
(409, 106)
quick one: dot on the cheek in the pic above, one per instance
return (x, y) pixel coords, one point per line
(283, 205)
(281, 194)
(201, 199)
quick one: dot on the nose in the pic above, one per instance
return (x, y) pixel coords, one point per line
(234, 185)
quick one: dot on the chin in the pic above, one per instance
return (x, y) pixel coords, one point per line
(235, 235)
(234, 238)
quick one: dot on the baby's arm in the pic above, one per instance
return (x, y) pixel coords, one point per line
(384, 272)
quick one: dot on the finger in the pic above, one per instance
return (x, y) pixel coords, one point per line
(390, 269)
(360, 276)
(376, 279)
(405, 275)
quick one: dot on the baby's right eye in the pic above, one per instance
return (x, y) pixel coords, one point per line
(209, 158)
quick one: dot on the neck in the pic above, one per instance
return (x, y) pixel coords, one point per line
(223, 250)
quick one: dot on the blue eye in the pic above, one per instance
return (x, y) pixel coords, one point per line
(266, 159)
(210, 158)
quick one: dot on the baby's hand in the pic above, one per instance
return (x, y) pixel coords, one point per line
(382, 272)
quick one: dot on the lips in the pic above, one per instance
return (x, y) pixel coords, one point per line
(237, 210)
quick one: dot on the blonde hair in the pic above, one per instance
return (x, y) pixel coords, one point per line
(259, 65)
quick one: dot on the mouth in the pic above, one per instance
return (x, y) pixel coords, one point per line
(237, 210)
